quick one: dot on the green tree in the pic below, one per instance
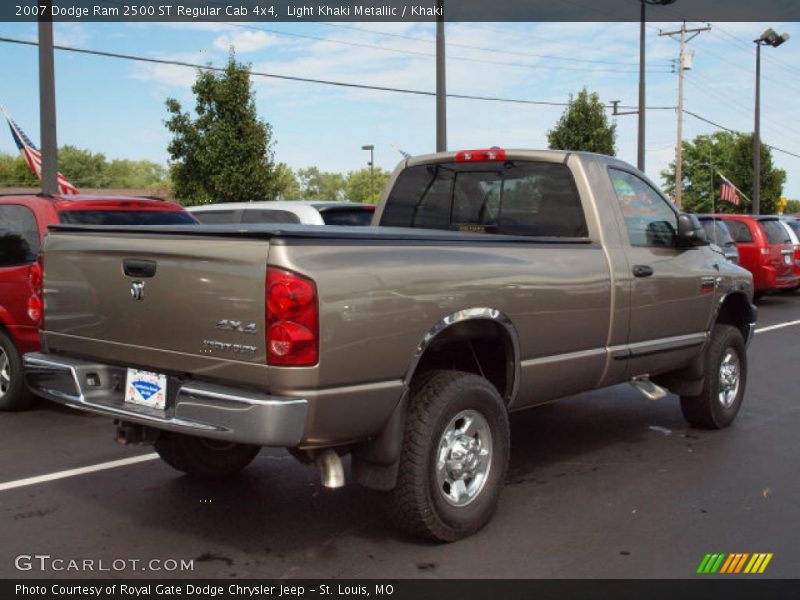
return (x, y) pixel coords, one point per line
(122, 173)
(225, 153)
(287, 187)
(792, 207)
(360, 186)
(732, 155)
(584, 126)
(15, 172)
(320, 185)
(83, 167)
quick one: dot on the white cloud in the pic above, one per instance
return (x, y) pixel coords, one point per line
(244, 41)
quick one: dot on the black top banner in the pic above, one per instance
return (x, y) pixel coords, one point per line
(399, 10)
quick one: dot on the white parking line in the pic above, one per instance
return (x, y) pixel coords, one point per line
(778, 326)
(10, 485)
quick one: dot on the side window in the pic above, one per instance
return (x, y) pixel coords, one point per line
(649, 219)
(269, 216)
(216, 217)
(19, 236)
(522, 198)
(740, 232)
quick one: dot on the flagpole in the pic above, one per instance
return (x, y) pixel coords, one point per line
(721, 174)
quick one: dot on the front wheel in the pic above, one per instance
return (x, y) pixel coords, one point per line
(719, 402)
(454, 457)
(204, 457)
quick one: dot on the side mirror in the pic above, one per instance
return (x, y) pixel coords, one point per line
(690, 232)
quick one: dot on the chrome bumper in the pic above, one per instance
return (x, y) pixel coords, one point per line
(194, 408)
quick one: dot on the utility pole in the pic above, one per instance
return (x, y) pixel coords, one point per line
(441, 82)
(682, 66)
(371, 149)
(47, 104)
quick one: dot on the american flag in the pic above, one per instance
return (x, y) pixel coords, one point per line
(33, 157)
(728, 192)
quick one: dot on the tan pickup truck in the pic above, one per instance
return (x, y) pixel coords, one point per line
(491, 281)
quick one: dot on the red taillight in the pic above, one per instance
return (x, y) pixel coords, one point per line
(486, 154)
(292, 320)
(35, 304)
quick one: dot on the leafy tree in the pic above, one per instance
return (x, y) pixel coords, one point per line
(83, 167)
(225, 153)
(122, 173)
(792, 207)
(320, 185)
(287, 187)
(732, 155)
(584, 126)
(359, 183)
(14, 172)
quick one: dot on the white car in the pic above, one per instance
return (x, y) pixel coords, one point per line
(289, 211)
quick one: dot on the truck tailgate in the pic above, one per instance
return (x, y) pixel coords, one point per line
(173, 303)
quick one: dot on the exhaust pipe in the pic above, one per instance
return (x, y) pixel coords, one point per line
(330, 468)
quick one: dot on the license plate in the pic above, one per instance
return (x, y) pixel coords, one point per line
(146, 388)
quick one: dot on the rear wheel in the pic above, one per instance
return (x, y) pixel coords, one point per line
(204, 457)
(719, 402)
(13, 393)
(454, 457)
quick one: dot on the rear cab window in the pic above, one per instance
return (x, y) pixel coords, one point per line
(512, 197)
(19, 235)
(126, 217)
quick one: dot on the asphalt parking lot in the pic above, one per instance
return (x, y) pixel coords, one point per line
(604, 484)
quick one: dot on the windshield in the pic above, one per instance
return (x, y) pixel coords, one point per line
(126, 217)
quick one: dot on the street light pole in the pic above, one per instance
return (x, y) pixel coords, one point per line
(47, 105)
(768, 38)
(441, 83)
(371, 148)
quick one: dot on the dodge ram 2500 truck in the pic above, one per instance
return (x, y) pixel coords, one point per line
(491, 281)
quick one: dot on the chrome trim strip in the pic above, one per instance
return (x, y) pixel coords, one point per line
(545, 360)
(469, 314)
(646, 348)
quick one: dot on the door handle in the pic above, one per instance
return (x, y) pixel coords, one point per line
(642, 271)
(133, 267)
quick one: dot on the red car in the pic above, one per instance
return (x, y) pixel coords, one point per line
(765, 250)
(23, 224)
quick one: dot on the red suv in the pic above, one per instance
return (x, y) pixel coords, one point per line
(23, 224)
(765, 250)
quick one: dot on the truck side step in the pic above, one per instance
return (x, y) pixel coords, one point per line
(649, 390)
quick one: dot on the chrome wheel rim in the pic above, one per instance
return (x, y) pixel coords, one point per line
(5, 373)
(464, 458)
(729, 378)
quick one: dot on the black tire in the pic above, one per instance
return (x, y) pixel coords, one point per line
(203, 457)
(418, 503)
(14, 394)
(707, 410)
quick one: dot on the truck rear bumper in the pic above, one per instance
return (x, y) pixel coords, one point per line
(194, 408)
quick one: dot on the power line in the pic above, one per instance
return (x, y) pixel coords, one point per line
(487, 49)
(432, 55)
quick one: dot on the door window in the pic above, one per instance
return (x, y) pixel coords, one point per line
(649, 218)
(19, 236)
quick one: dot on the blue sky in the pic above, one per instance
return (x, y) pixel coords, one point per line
(117, 107)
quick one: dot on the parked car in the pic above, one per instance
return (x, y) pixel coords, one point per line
(792, 226)
(765, 250)
(293, 211)
(23, 223)
(718, 233)
(495, 281)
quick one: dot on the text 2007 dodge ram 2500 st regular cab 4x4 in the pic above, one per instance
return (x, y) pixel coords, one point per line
(494, 281)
